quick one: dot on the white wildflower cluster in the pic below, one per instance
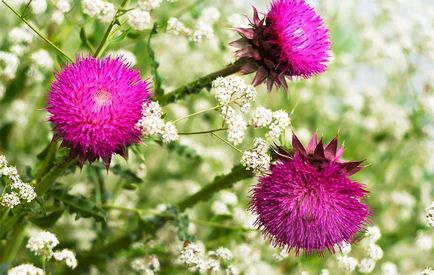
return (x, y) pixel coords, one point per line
(257, 158)
(8, 65)
(389, 268)
(278, 125)
(149, 5)
(372, 250)
(41, 63)
(25, 269)
(282, 255)
(224, 204)
(277, 121)
(125, 55)
(148, 265)
(152, 124)
(202, 31)
(20, 39)
(38, 6)
(61, 7)
(430, 215)
(176, 27)
(103, 10)
(234, 90)
(18, 189)
(66, 255)
(193, 256)
(43, 243)
(237, 126)
(427, 271)
(139, 19)
(347, 263)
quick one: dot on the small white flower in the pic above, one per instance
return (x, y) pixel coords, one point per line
(375, 252)
(257, 158)
(8, 64)
(10, 200)
(62, 5)
(427, 271)
(176, 27)
(347, 263)
(219, 208)
(25, 269)
(192, 255)
(21, 35)
(210, 15)
(149, 5)
(151, 125)
(25, 191)
(344, 247)
(92, 7)
(232, 270)
(42, 243)
(389, 268)
(212, 265)
(261, 117)
(42, 59)
(107, 12)
(139, 19)
(278, 125)
(223, 253)
(202, 32)
(169, 132)
(373, 233)
(366, 266)
(38, 6)
(66, 255)
(228, 197)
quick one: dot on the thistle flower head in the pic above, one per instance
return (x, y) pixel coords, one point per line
(307, 201)
(94, 105)
(289, 41)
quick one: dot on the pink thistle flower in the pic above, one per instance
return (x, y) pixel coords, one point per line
(290, 41)
(308, 202)
(94, 105)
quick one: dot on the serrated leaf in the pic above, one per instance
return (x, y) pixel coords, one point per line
(79, 205)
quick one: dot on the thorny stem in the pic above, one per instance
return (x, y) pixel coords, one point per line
(103, 45)
(204, 82)
(37, 32)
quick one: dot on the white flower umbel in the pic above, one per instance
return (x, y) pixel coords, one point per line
(236, 125)
(202, 32)
(427, 271)
(257, 158)
(232, 89)
(42, 244)
(261, 117)
(430, 215)
(278, 125)
(192, 255)
(92, 7)
(125, 55)
(222, 253)
(25, 191)
(66, 255)
(374, 252)
(8, 64)
(169, 132)
(152, 124)
(149, 5)
(42, 59)
(62, 5)
(372, 234)
(25, 269)
(347, 263)
(139, 19)
(38, 6)
(107, 12)
(389, 268)
(10, 200)
(366, 266)
(176, 27)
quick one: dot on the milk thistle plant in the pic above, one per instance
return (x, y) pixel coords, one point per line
(177, 137)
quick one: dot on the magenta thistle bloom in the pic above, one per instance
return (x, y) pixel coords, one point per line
(290, 41)
(308, 202)
(94, 105)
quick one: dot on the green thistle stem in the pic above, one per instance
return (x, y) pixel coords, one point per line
(204, 82)
(201, 132)
(52, 175)
(104, 42)
(238, 173)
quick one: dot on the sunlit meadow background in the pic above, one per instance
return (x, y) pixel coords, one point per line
(377, 94)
